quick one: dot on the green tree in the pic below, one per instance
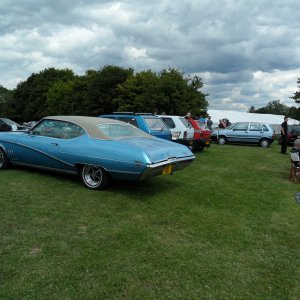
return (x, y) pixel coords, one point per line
(139, 93)
(296, 96)
(102, 88)
(251, 109)
(5, 99)
(30, 97)
(273, 107)
(168, 91)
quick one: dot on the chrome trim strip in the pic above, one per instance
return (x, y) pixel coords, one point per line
(44, 168)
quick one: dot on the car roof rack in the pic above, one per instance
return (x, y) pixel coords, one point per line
(123, 113)
(146, 114)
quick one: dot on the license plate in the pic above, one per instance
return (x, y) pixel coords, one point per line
(167, 170)
(207, 143)
(191, 143)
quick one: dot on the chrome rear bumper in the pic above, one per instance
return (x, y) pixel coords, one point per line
(157, 169)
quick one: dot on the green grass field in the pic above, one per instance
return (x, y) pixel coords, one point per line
(227, 227)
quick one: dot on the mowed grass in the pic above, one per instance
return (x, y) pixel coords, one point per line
(227, 227)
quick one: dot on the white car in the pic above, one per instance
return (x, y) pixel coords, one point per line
(182, 131)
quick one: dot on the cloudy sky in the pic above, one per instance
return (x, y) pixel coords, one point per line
(246, 52)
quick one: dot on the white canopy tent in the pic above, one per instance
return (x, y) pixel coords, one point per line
(237, 116)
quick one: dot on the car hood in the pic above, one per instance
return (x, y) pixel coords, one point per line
(158, 150)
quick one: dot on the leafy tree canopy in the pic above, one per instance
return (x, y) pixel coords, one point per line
(112, 88)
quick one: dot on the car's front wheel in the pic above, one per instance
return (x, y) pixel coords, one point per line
(4, 161)
(94, 177)
(222, 140)
(264, 143)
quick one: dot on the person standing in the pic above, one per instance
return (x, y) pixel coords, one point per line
(209, 123)
(284, 135)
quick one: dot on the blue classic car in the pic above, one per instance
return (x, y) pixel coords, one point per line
(97, 149)
(245, 132)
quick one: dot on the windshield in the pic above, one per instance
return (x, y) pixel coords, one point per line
(231, 126)
(121, 131)
(155, 123)
(201, 125)
(185, 123)
(10, 122)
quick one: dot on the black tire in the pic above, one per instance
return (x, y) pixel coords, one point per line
(4, 161)
(94, 177)
(264, 143)
(222, 140)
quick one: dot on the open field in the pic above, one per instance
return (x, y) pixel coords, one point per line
(227, 227)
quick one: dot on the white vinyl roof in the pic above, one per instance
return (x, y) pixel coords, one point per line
(237, 116)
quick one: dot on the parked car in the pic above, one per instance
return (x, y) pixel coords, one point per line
(9, 125)
(95, 148)
(293, 134)
(245, 132)
(201, 135)
(147, 122)
(182, 131)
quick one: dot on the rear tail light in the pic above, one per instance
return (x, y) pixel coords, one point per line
(175, 135)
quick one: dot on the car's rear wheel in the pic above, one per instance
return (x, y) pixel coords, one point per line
(222, 140)
(94, 177)
(264, 143)
(4, 161)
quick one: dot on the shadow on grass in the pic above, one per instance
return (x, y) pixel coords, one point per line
(134, 189)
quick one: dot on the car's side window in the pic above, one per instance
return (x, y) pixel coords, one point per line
(255, 127)
(131, 121)
(265, 128)
(50, 128)
(72, 131)
(169, 122)
(241, 127)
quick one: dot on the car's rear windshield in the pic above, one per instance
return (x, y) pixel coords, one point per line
(155, 123)
(121, 131)
(185, 122)
(9, 122)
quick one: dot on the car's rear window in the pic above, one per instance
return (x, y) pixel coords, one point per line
(294, 129)
(185, 122)
(121, 131)
(169, 122)
(155, 123)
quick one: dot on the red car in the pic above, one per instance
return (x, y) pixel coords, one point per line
(202, 137)
(293, 134)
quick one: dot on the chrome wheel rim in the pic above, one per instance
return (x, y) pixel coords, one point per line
(92, 176)
(221, 141)
(264, 144)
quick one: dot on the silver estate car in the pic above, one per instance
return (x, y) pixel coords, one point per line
(245, 132)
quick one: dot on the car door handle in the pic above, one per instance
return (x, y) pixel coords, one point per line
(54, 144)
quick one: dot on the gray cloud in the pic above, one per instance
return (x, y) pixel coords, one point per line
(246, 52)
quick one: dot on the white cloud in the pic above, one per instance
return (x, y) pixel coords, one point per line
(247, 53)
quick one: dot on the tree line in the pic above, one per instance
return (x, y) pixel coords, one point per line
(277, 108)
(112, 88)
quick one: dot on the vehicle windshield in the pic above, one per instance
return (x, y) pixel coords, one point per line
(155, 123)
(122, 131)
(185, 122)
(201, 125)
(10, 122)
(231, 126)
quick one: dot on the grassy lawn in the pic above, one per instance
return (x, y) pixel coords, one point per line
(227, 227)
